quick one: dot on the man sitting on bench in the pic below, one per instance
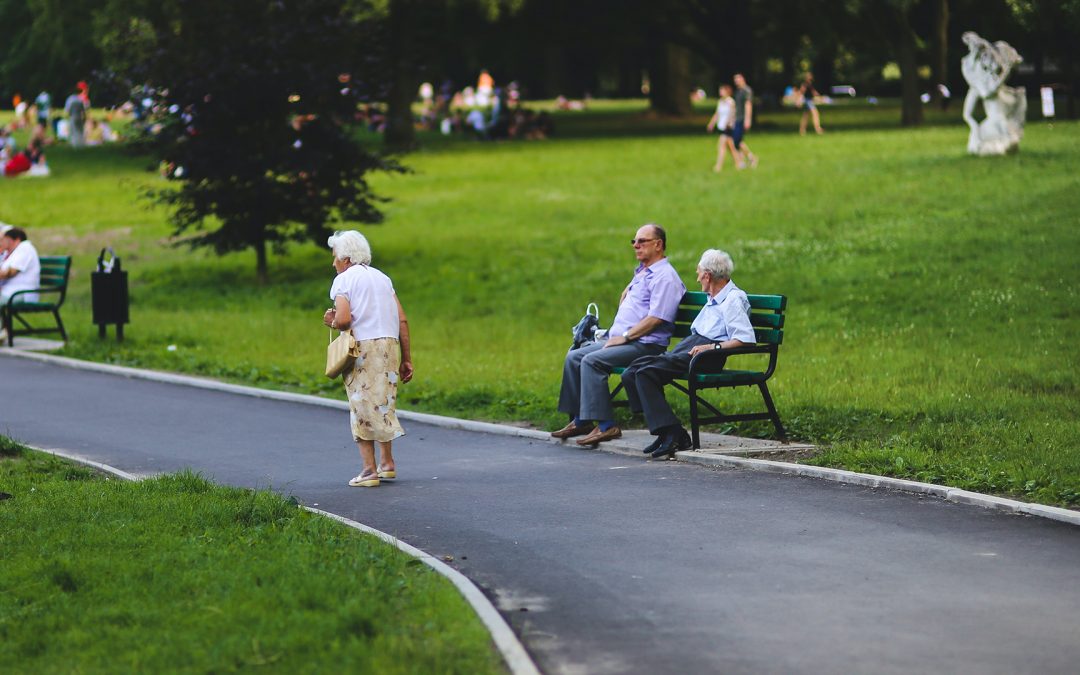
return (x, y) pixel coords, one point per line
(642, 326)
(724, 321)
(20, 271)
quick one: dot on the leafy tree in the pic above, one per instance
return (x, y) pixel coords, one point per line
(47, 45)
(1056, 27)
(254, 113)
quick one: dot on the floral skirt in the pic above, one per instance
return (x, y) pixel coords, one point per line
(371, 386)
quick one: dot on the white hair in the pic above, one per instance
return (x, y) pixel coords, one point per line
(350, 245)
(717, 263)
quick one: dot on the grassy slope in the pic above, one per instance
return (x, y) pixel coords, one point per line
(931, 294)
(238, 579)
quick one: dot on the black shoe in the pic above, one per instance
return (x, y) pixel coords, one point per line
(654, 445)
(672, 443)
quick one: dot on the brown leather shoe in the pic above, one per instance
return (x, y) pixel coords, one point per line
(598, 436)
(572, 430)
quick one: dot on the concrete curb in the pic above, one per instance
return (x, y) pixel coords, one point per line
(869, 480)
(838, 475)
(513, 652)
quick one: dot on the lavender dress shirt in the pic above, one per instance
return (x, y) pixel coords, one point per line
(655, 291)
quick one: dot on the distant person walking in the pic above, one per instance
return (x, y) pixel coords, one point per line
(744, 117)
(44, 108)
(723, 120)
(75, 107)
(807, 94)
(365, 303)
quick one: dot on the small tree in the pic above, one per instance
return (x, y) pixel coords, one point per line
(254, 111)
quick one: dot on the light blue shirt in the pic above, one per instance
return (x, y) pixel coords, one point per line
(726, 316)
(655, 291)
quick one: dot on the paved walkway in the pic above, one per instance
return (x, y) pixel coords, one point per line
(608, 564)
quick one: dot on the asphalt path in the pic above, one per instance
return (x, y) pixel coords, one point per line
(606, 564)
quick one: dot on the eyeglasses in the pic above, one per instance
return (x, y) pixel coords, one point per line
(643, 240)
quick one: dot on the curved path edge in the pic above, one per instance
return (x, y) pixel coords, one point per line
(707, 459)
(506, 641)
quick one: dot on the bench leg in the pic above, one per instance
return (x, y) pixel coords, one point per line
(694, 434)
(60, 324)
(773, 415)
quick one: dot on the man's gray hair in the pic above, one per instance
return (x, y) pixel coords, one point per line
(350, 245)
(717, 263)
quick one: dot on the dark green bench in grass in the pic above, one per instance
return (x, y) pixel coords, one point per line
(55, 270)
(708, 370)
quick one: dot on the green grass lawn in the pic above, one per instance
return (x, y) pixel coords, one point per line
(932, 295)
(238, 579)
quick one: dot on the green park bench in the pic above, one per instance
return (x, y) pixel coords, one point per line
(708, 372)
(55, 270)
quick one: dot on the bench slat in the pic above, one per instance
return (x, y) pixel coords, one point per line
(774, 302)
(769, 336)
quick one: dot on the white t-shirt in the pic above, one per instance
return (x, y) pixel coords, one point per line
(725, 113)
(24, 259)
(371, 298)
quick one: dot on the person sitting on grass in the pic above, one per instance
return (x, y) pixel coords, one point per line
(642, 326)
(723, 322)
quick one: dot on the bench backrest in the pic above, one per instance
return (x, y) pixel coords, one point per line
(766, 315)
(54, 274)
(55, 270)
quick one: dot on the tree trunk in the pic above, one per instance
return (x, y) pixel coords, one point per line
(939, 50)
(555, 71)
(669, 80)
(262, 273)
(907, 56)
(404, 82)
(825, 67)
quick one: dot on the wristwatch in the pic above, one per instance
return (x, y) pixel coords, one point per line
(626, 334)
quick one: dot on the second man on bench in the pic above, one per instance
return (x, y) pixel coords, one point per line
(724, 321)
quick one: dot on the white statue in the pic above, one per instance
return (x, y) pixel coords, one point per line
(985, 68)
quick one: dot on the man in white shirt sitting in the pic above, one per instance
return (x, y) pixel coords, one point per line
(21, 270)
(723, 322)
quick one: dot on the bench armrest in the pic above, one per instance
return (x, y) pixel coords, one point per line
(712, 361)
(45, 289)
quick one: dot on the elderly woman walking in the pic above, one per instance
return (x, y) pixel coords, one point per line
(365, 302)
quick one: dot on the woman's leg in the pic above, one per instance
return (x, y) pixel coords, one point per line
(736, 156)
(817, 120)
(367, 458)
(721, 146)
(386, 456)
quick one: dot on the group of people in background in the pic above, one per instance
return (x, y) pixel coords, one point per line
(75, 125)
(486, 112)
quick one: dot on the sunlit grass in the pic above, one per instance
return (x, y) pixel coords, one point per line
(176, 575)
(932, 300)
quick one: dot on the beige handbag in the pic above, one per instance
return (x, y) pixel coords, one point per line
(341, 354)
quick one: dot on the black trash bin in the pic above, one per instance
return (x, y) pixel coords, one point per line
(109, 294)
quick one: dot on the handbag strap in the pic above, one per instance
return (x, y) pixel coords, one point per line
(591, 308)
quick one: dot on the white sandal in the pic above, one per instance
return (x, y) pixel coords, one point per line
(365, 480)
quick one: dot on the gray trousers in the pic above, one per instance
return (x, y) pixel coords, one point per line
(645, 378)
(585, 392)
